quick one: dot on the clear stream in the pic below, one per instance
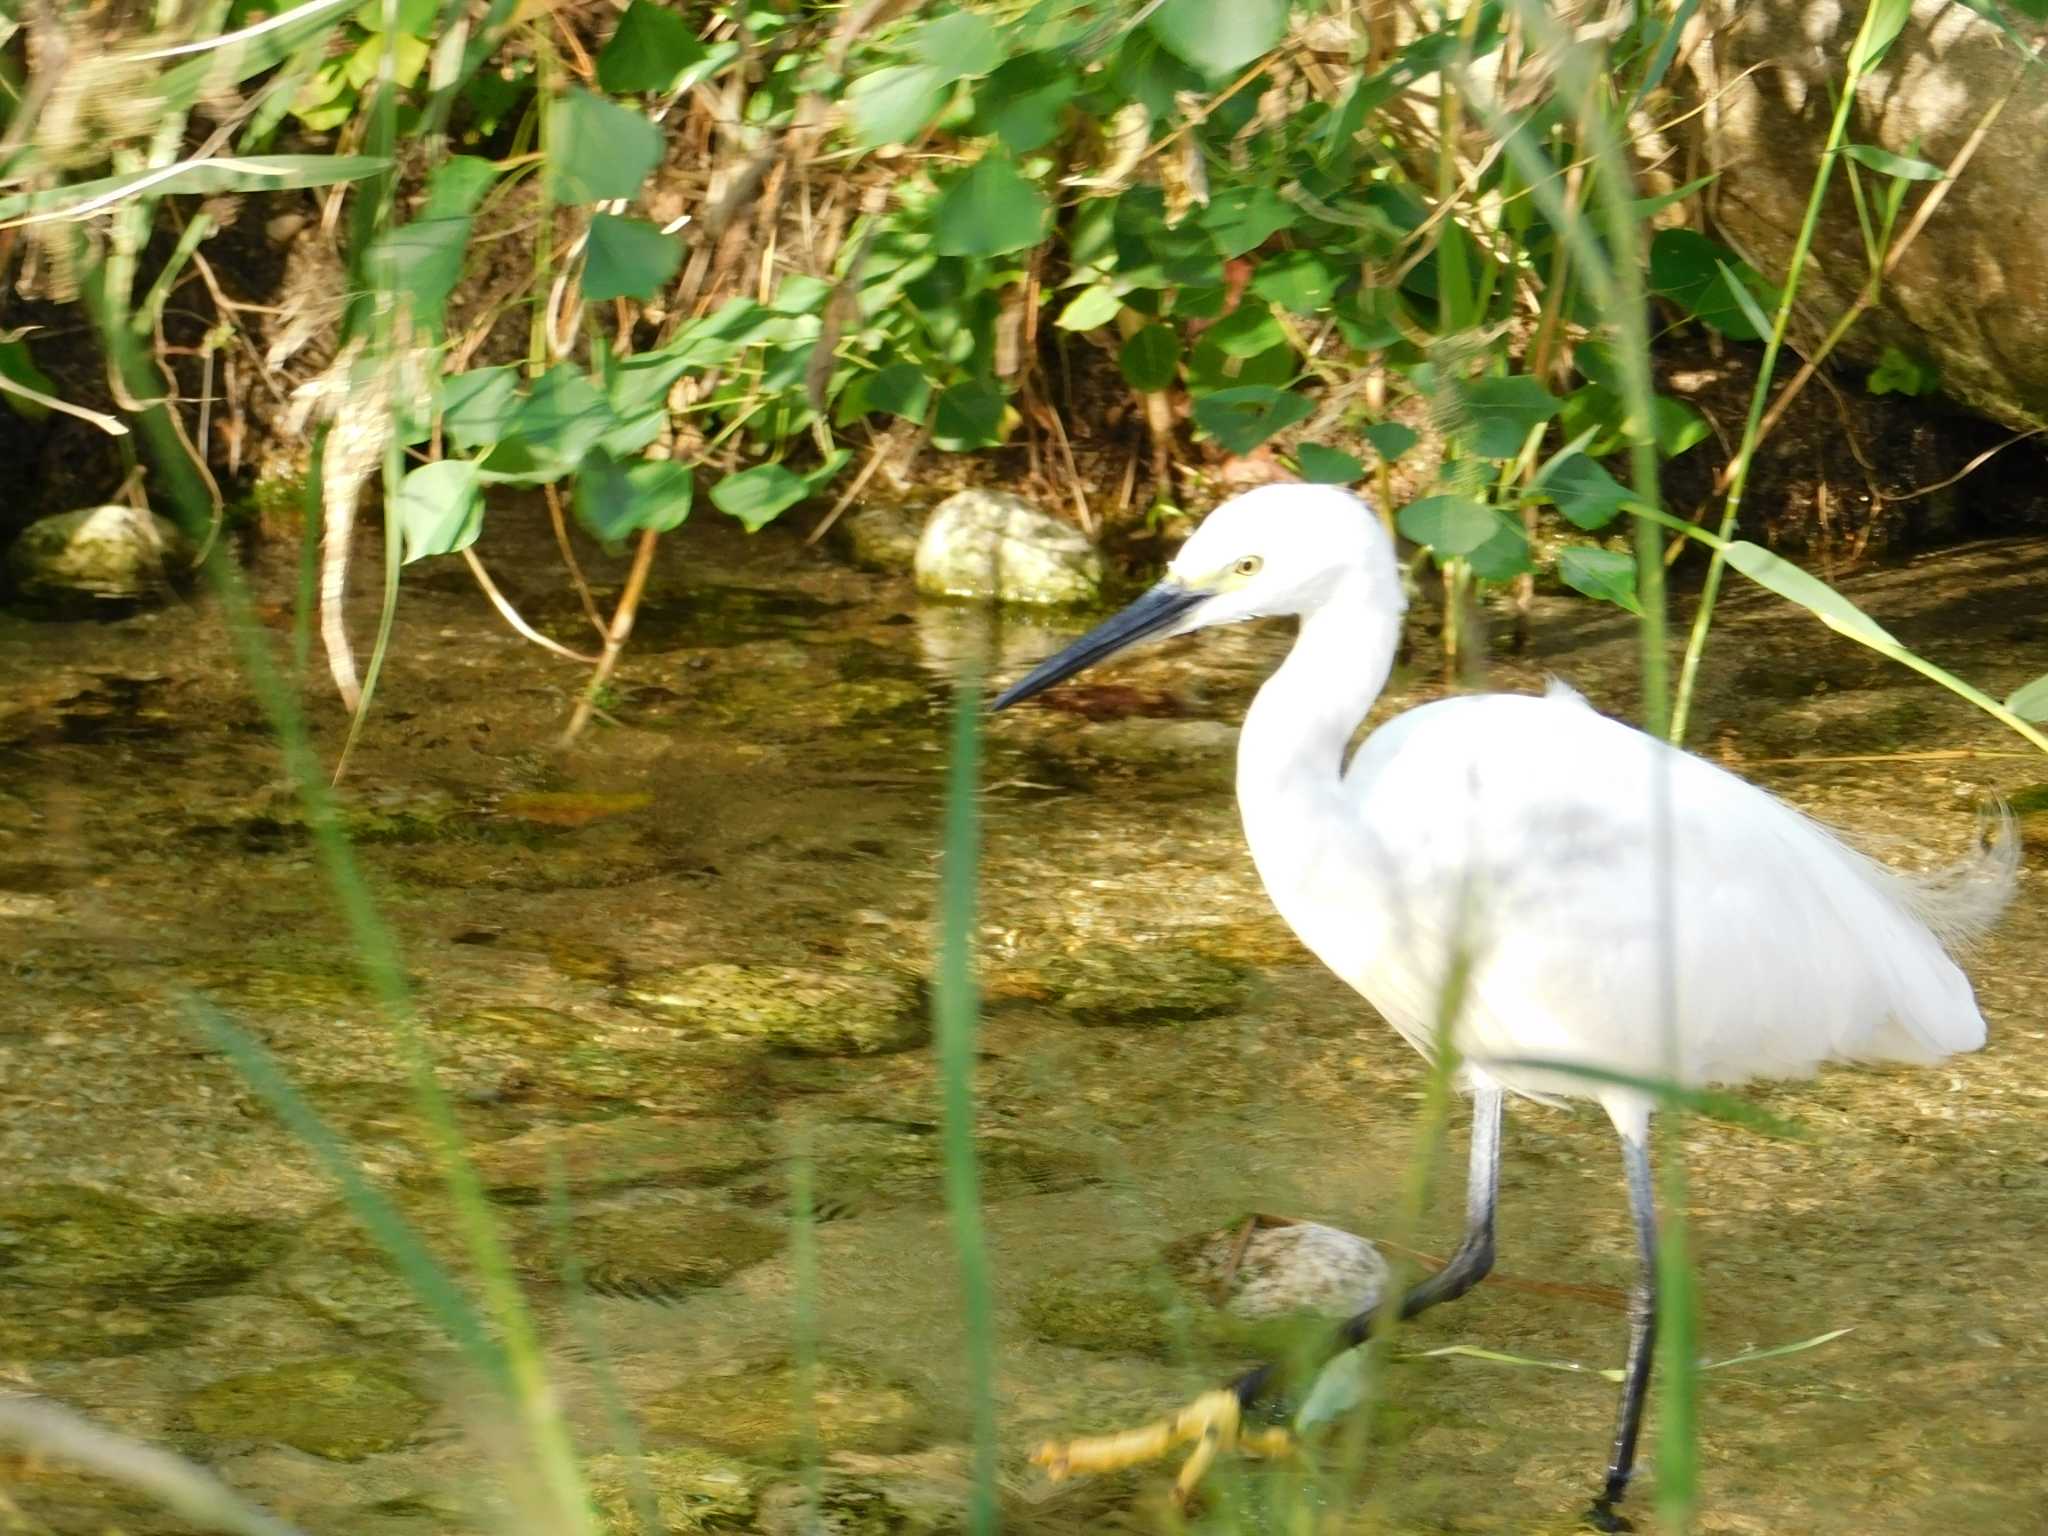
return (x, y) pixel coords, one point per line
(656, 965)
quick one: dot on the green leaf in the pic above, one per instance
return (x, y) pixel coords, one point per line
(1733, 285)
(17, 365)
(959, 45)
(1241, 219)
(1150, 359)
(1676, 426)
(1094, 305)
(892, 105)
(457, 185)
(1390, 439)
(244, 173)
(1328, 466)
(559, 422)
(1881, 27)
(627, 258)
(1502, 412)
(1021, 102)
(1240, 419)
(1218, 38)
(414, 16)
(1246, 331)
(901, 389)
(1503, 554)
(1686, 268)
(969, 416)
(423, 261)
(648, 51)
(1304, 282)
(478, 407)
(365, 65)
(597, 149)
(1902, 166)
(2031, 701)
(440, 509)
(1603, 573)
(759, 495)
(1584, 492)
(990, 209)
(1449, 525)
(614, 499)
(1809, 592)
(1901, 373)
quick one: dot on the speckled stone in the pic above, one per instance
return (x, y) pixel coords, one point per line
(993, 544)
(1286, 1268)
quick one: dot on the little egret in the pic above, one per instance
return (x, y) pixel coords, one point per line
(1585, 910)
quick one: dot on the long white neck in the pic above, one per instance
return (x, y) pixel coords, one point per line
(1290, 755)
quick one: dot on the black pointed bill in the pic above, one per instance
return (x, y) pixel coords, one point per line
(1157, 610)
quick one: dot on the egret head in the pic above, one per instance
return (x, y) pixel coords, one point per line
(1280, 549)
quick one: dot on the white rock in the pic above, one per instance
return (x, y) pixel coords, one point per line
(991, 544)
(1288, 1266)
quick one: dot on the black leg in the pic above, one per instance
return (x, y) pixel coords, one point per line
(1466, 1267)
(1642, 1338)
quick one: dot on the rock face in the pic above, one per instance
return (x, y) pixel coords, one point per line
(991, 544)
(1971, 294)
(111, 553)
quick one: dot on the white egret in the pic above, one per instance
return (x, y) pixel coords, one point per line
(1619, 913)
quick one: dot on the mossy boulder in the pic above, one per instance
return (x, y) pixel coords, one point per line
(753, 1412)
(340, 1408)
(842, 1012)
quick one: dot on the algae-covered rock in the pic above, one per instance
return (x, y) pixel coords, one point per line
(1119, 984)
(863, 1165)
(753, 1412)
(992, 544)
(340, 1408)
(38, 1324)
(693, 1490)
(656, 1247)
(1116, 1307)
(787, 1008)
(98, 554)
(840, 1505)
(70, 1237)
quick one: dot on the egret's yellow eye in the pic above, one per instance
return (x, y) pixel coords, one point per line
(1248, 566)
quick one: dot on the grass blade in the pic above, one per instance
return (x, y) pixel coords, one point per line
(955, 1011)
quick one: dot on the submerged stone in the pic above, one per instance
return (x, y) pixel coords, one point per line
(619, 1153)
(656, 1248)
(788, 1008)
(98, 554)
(992, 544)
(755, 1412)
(340, 1408)
(692, 1490)
(1271, 1266)
(1122, 984)
(71, 1237)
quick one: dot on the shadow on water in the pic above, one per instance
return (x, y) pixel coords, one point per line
(649, 963)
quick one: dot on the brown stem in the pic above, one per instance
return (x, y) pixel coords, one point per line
(615, 639)
(569, 558)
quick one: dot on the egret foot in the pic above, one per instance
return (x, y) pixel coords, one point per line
(1213, 1423)
(1603, 1516)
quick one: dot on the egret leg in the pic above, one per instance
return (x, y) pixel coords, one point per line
(1642, 1338)
(1467, 1266)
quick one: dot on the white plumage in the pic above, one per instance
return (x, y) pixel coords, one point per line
(1611, 902)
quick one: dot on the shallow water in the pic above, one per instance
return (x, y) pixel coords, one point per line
(764, 794)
